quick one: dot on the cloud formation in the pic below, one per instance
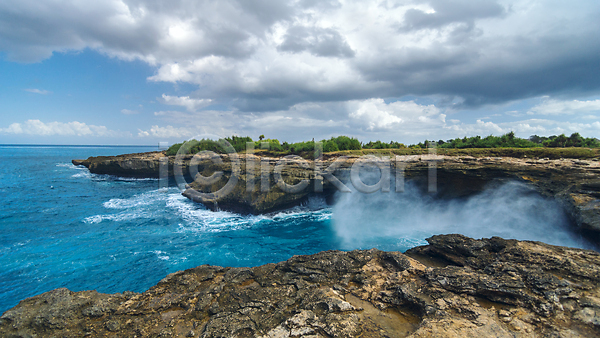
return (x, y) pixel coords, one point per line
(337, 67)
(375, 114)
(168, 132)
(267, 55)
(37, 127)
(190, 104)
(558, 107)
(129, 112)
(38, 91)
(318, 41)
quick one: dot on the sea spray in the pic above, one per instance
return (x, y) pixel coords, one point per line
(509, 210)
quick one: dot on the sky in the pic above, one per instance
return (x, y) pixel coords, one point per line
(136, 72)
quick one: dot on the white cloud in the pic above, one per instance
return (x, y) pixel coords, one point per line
(479, 128)
(375, 114)
(190, 104)
(556, 107)
(129, 112)
(269, 55)
(75, 128)
(38, 91)
(167, 132)
(523, 128)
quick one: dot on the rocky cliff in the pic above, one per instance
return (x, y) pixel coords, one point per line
(575, 183)
(454, 287)
(128, 165)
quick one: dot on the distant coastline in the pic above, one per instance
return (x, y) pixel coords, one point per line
(77, 145)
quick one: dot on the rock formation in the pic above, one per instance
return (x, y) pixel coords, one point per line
(575, 183)
(128, 165)
(454, 287)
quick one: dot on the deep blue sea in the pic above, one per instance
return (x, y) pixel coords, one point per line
(61, 226)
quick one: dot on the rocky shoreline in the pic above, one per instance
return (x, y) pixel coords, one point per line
(574, 183)
(454, 287)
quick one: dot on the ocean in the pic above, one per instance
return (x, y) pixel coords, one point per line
(61, 226)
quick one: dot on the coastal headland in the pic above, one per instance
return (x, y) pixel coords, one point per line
(266, 183)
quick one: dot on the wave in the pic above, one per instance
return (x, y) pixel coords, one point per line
(197, 218)
(161, 255)
(71, 166)
(85, 174)
(170, 205)
(123, 216)
(135, 201)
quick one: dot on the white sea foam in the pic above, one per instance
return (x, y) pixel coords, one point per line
(71, 166)
(198, 218)
(119, 217)
(193, 217)
(83, 174)
(161, 255)
(132, 179)
(133, 202)
(93, 219)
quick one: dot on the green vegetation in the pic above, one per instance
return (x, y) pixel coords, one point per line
(511, 141)
(272, 146)
(562, 141)
(540, 152)
(561, 146)
(505, 141)
(383, 145)
(234, 143)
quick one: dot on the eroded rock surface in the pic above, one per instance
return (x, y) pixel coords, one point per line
(146, 165)
(454, 287)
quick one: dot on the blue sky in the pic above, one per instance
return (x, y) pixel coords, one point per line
(138, 72)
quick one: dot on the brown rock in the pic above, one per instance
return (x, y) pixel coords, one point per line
(467, 290)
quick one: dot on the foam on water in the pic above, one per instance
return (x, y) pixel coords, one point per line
(71, 166)
(133, 202)
(197, 218)
(83, 174)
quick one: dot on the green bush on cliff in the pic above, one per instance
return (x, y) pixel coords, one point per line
(345, 143)
(505, 141)
(382, 145)
(562, 141)
(226, 145)
(272, 145)
(509, 140)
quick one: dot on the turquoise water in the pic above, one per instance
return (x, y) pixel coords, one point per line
(61, 226)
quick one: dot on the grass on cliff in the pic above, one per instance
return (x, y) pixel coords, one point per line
(550, 153)
(508, 145)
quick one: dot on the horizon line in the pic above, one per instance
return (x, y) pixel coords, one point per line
(74, 145)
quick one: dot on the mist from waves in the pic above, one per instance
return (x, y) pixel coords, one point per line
(510, 210)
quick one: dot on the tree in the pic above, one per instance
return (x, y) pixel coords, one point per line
(261, 137)
(575, 140)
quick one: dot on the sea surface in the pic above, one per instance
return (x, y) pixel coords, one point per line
(61, 226)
